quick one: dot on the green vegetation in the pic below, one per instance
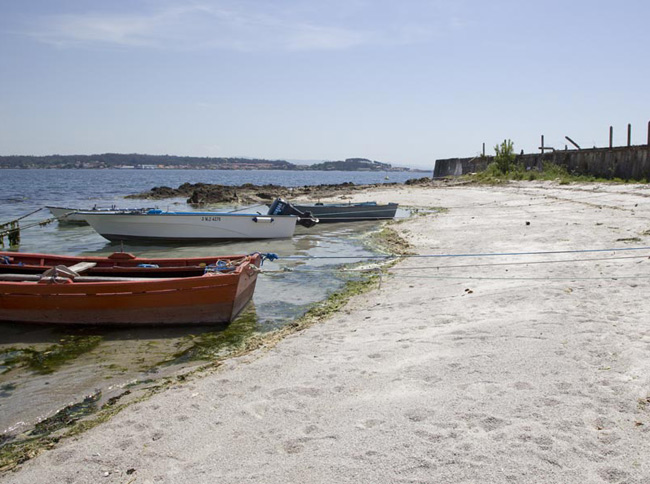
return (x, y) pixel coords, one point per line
(493, 175)
(67, 422)
(388, 241)
(66, 416)
(211, 345)
(504, 159)
(52, 357)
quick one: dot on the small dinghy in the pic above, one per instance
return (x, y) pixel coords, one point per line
(122, 289)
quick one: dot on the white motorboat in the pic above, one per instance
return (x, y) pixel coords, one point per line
(187, 226)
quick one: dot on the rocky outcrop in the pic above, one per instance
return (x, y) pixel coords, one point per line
(203, 193)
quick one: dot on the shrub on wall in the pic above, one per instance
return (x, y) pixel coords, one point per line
(505, 156)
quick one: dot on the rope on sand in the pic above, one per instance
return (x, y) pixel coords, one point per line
(378, 266)
(484, 254)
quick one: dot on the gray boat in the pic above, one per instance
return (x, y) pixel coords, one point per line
(349, 212)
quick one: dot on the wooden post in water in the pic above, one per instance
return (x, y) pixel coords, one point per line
(629, 135)
(611, 136)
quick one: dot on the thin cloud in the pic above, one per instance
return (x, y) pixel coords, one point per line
(203, 26)
(310, 37)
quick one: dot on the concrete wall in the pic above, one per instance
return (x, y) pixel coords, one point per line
(627, 163)
(460, 166)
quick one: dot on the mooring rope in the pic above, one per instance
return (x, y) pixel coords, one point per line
(379, 267)
(21, 217)
(461, 266)
(23, 227)
(481, 254)
(479, 278)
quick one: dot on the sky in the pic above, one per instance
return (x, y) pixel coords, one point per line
(403, 82)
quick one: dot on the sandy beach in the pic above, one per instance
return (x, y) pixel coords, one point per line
(494, 369)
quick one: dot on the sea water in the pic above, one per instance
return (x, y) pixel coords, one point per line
(44, 370)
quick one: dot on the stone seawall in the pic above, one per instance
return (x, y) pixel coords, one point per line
(627, 163)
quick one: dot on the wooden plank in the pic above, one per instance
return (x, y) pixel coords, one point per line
(82, 266)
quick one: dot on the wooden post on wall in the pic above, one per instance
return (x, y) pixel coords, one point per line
(542, 145)
(611, 136)
(648, 133)
(484, 144)
(629, 135)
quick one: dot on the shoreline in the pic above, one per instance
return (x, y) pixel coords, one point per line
(527, 368)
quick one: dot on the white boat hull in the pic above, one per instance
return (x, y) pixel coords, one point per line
(67, 215)
(189, 226)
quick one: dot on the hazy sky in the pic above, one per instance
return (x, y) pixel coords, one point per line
(399, 81)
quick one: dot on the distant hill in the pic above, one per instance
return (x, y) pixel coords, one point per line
(352, 164)
(115, 160)
(138, 161)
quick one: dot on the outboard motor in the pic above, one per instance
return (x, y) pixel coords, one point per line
(282, 207)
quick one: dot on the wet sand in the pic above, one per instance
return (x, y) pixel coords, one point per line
(522, 368)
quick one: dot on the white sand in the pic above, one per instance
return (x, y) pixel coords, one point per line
(486, 373)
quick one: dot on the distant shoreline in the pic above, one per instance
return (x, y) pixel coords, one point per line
(394, 170)
(170, 162)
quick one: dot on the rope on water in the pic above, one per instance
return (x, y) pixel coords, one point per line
(11, 229)
(4, 231)
(22, 217)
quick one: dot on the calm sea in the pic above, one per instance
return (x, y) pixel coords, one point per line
(24, 191)
(124, 357)
(31, 188)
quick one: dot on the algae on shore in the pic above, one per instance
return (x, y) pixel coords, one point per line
(51, 358)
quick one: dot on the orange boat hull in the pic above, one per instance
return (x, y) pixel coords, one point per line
(205, 299)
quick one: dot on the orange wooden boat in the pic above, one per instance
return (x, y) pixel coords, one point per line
(123, 289)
